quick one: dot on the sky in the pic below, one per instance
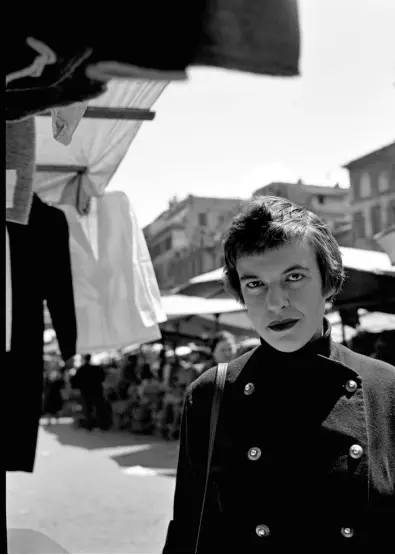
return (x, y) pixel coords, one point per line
(226, 133)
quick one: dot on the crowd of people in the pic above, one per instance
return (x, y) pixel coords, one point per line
(142, 392)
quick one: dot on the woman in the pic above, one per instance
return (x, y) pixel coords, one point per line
(304, 458)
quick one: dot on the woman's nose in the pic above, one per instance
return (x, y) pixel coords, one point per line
(276, 298)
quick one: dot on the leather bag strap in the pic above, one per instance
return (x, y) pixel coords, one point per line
(220, 379)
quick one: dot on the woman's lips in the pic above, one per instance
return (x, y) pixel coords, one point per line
(283, 326)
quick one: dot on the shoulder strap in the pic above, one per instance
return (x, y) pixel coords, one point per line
(220, 378)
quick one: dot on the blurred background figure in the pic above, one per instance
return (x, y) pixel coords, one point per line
(179, 371)
(223, 349)
(149, 399)
(89, 380)
(384, 347)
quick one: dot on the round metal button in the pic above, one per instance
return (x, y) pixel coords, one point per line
(347, 532)
(254, 453)
(262, 530)
(351, 386)
(249, 388)
(356, 451)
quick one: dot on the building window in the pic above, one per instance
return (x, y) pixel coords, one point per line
(375, 217)
(203, 219)
(365, 185)
(321, 199)
(359, 225)
(168, 243)
(391, 213)
(384, 182)
(355, 193)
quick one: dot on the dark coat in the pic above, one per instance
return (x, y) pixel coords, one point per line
(283, 464)
(40, 270)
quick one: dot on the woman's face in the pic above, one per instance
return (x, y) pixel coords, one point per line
(224, 351)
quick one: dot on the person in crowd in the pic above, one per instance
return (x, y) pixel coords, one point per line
(53, 400)
(180, 373)
(89, 380)
(384, 347)
(223, 349)
(150, 393)
(304, 454)
(170, 418)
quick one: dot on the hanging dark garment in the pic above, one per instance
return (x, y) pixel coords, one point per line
(40, 270)
(258, 36)
(51, 68)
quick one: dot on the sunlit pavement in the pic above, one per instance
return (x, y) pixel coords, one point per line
(96, 492)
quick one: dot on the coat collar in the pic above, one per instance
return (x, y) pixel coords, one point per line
(321, 360)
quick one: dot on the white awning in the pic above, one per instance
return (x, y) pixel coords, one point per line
(99, 143)
(176, 306)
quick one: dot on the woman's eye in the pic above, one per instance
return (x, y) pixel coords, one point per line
(254, 284)
(295, 277)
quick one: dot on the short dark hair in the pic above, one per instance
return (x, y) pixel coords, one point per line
(221, 336)
(267, 222)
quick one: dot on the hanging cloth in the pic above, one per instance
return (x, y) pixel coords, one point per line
(20, 167)
(116, 293)
(40, 270)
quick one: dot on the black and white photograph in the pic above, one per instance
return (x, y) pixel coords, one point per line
(200, 278)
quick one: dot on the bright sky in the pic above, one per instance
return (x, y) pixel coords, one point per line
(225, 133)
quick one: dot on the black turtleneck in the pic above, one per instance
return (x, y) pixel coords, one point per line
(307, 354)
(301, 386)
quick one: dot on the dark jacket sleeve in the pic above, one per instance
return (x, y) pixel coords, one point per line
(59, 291)
(182, 530)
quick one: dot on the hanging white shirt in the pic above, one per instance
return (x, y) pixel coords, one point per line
(117, 297)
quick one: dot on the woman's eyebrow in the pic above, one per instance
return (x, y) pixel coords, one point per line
(245, 277)
(296, 267)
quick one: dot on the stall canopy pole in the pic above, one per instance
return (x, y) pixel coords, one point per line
(107, 112)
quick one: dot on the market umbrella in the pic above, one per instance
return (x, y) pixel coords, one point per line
(196, 317)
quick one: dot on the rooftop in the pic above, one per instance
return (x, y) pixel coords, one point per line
(335, 190)
(176, 205)
(384, 151)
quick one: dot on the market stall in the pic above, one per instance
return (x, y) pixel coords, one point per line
(199, 317)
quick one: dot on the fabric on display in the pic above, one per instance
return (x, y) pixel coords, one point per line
(116, 294)
(20, 160)
(8, 294)
(258, 36)
(98, 145)
(75, 87)
(45, 71)
(160, 47)
(65, 121)
(40, 270)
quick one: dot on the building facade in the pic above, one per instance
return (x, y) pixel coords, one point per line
(372, 195)
(329, 203)
(185, 240)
